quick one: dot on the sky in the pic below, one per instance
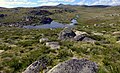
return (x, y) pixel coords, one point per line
(35, 3)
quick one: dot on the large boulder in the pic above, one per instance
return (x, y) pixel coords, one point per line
(66, 34)
(84, 38)
(46, 20)
(75, 66)
(36, 66)
(33, 68)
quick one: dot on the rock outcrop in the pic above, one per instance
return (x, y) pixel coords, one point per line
(66, 34)
(75, 66)
(46, 20)
(40, 12)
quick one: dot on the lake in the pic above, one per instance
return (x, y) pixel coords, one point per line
(52, 25)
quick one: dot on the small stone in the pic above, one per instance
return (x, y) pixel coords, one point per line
(53, 45)
(118, 41)
(97, 33)
(1, 51)
(43, 40)
(80, 33)
(116, 33)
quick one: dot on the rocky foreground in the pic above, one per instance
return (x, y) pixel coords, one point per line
(70, 66)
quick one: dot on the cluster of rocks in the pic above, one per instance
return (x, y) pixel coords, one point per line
(40, 12)
(70, 66)
(16, 24)
(52, 45)
(115, 14)
(28, 20)
(68, 34)
(43, 20)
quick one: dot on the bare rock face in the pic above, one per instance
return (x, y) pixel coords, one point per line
(75, 66)
(66, 34)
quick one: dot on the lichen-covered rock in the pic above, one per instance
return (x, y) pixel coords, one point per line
(84, 38)
(66, 34)
(75, 66)
(36, 66)
(33, 68)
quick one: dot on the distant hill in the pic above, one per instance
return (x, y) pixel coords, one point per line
(99, 6)
(61, 13)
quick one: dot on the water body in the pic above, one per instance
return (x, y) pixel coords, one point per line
(52, 25)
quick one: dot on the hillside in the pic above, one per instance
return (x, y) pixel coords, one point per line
(96, 37)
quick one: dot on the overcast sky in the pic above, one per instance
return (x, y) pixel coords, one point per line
(34, 3)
